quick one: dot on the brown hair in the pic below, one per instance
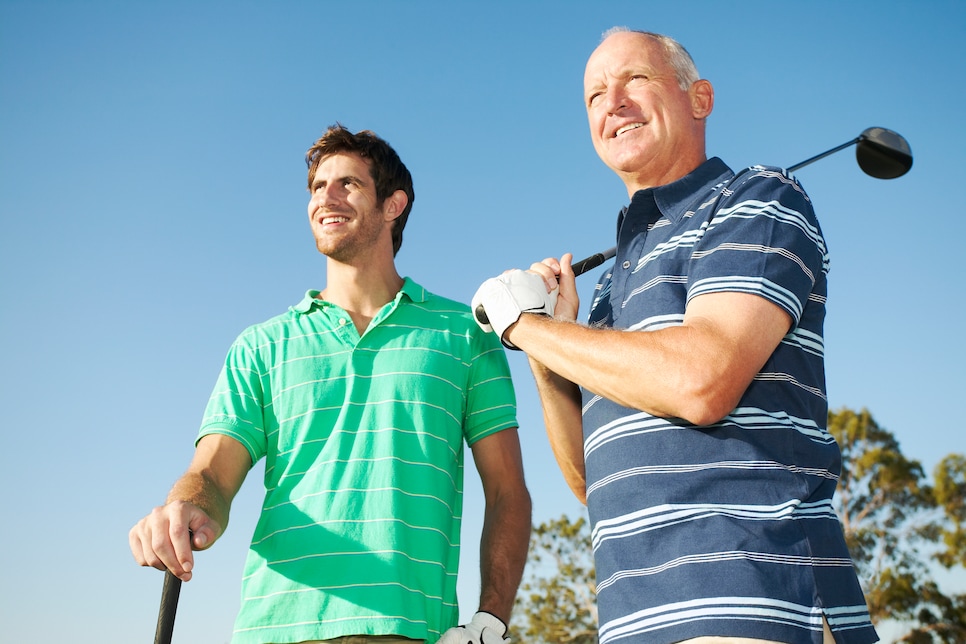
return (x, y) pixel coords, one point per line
(386, 168)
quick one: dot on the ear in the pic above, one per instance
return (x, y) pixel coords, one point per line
(702, 98)
(394, 205)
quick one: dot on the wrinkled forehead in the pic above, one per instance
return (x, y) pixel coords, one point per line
(623, 51)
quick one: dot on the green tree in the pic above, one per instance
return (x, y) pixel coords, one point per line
(557, 601)
(896, 522)
(950, 491)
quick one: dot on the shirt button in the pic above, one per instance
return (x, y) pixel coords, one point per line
(626, 264)
(342, 322)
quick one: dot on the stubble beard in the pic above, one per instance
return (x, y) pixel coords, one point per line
(345, 248)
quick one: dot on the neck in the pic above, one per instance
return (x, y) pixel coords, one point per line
(651, 178)
(361, 289)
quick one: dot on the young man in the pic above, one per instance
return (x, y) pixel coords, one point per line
(690, 414)
(359, 398)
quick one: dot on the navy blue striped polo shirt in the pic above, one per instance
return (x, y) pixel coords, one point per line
(726, 529)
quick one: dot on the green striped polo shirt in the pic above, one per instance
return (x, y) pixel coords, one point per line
(363, 439)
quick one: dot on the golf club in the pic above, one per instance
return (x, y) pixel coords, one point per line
(881, 153)
(169, 606)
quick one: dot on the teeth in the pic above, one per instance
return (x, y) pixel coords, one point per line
(628, 128)
(334, 220)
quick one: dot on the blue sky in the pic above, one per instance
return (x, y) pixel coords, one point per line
(152, 195)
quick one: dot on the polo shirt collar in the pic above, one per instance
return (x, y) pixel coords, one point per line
(410, 289)
(674, 198)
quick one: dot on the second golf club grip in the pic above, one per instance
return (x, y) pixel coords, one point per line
(580, 268)
(169, 607)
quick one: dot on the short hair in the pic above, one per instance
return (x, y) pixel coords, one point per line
(388, 171)
(676, 55)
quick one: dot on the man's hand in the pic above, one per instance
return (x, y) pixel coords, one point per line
(484, 628)
(559, 275)
(165, 538)
(500, 301)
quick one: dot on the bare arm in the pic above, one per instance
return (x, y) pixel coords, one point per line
(696, 371)
(199, 503)
(506, 521)
(560, 397)
(560, 400)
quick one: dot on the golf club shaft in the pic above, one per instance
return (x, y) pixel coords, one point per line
(169, 606)
(817, 157)
(887, 142)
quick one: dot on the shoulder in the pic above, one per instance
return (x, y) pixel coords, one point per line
(446, 310)
(434, 302)
(765, 182)
(272, 329)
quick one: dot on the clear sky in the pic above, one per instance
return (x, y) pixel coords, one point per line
(152, 195)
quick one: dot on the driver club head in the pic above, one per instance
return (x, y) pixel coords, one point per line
(882, 153)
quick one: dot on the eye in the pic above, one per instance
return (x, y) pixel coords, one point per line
(594, 98)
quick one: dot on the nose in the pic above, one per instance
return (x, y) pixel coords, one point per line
(324, 197)
(614, 98)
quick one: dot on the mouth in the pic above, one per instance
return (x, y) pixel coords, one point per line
(333, 219)
(627, 128)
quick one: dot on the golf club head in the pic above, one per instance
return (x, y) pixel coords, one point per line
(882, 153)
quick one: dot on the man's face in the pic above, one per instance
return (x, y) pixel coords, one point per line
(643, 125)
(345, 217)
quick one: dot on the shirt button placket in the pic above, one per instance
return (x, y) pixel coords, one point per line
(347, 332)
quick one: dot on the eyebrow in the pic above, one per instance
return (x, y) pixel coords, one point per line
(316, 183)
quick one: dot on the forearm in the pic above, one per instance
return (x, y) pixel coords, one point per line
(503, 551)
(200, 490)
(679, 371)
(624, 367)
(213, 478)
(561, 403)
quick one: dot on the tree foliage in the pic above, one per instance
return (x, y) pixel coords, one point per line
(557, 600)
(896, 522)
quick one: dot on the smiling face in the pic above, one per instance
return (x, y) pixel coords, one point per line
(343, 211)
(644, 126)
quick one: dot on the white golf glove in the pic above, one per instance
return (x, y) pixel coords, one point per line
(484, 628)
(500, 301)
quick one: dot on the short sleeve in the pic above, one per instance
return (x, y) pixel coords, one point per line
(235, 407)
(763, 239)
(491, 402)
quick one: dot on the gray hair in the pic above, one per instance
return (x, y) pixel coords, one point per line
(677, 56)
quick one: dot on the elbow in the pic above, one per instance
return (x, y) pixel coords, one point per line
(704, 415)
(578, 485)
(706, 403)
(581, 494)
(526, 505)
(517, 504)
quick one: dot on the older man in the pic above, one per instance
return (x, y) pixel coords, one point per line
(690, 413)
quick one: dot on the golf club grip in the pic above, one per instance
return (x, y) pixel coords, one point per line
(580, 268)
(169, 606)
(593, 261)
